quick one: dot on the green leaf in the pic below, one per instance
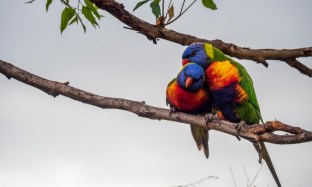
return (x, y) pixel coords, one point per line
(93, 9)
(139, 4)
(48, 4)
(155, 9)
(66, 16)
(89, 16)
(74, 20)
(209, 4)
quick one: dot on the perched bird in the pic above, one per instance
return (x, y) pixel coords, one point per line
(186, 93)
(231, 88)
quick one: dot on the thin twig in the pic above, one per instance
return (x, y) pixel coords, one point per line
(29, 2)
(244, 169)
(256, 175)
(163, 8)
(189, 6)
(198, 182)
(181, 13)
(182, 6)
(232, 174)
(66, 3)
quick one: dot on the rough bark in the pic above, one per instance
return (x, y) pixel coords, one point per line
(257, 132)
(154, 32)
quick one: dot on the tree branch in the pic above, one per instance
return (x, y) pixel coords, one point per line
(256, 132)
(153, 32)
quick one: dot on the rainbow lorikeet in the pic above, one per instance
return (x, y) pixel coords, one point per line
(187, 94)
(231, 88)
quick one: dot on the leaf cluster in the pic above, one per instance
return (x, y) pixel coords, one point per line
(165, 19)
(72, 14)
(89, 10)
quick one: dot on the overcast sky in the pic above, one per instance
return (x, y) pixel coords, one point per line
(46, 141)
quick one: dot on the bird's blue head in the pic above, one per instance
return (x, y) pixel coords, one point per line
(196, 53)
(191, 77)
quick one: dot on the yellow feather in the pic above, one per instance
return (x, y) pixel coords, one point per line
(209, 50)
(222, 74)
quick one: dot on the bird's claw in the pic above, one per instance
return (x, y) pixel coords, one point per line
(239, 127)
(210, 117)
(172, 110)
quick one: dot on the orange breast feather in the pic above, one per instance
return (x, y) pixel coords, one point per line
(184, 100)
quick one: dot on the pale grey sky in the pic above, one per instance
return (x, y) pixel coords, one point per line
(46, 141)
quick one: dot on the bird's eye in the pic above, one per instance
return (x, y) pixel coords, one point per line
(193, 53)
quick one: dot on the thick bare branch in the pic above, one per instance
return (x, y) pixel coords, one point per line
(252, 133)
(153, 32)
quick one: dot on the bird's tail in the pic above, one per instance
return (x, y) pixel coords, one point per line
(201, 137)
(265, 155)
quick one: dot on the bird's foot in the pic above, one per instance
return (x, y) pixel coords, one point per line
(210, 117)
(172, 110)
(239, 127)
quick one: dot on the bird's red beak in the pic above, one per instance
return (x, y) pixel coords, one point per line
(185, 61)
(188, 82)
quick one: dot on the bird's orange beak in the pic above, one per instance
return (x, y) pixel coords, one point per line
(188, 82)
(185, 61)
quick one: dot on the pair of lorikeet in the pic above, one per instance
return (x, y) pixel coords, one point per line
(210, 80)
